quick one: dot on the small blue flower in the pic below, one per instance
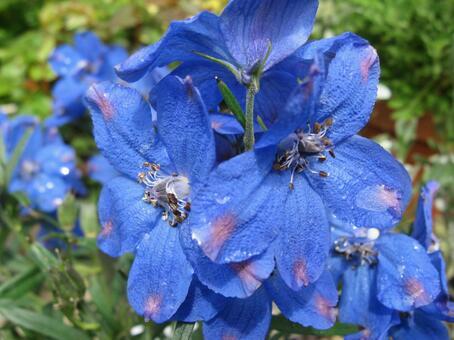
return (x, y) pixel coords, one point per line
(47, 170)
(79, 66)
(144, 209)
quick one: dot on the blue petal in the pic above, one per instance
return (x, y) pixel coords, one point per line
(234, 222)
(100, 170)
(422, 227)
(123, 128)
(185, 128)
(198, 34)
(236, 279)
(250, 26)
(336, 265)
(67, 103)
(420, 327)
(359, 304)
(406, 278)
(124, 216)
(200, 304)
(89, 45)
(47, 192)
(366, 186)
(304, 237)
(310, 306)
(13, 130)
(66, 61)
(245, 319)
(160, 276)
(350, 88)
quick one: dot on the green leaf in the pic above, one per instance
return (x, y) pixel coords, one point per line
(281, 324)
(14, 160)
(43, 257)
(261, 123)
(183, 331)
(21, 283)
(40, 323)
(232, 102)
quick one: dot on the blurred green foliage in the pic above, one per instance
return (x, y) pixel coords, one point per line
(415, 42)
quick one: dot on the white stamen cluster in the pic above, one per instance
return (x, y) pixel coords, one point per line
(168, 192)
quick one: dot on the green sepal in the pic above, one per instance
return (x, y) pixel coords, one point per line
(231, 102)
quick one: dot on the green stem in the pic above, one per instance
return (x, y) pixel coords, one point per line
(249, 139)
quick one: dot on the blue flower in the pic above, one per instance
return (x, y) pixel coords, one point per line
(310, 160)
(144, 209)
(78, 66)
(391, 284)
(249, 37)
(46, 170)
(426, 322)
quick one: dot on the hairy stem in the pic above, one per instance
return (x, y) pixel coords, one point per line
(249, 139)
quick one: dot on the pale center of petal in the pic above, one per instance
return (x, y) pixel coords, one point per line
(28, 169)
(301, 148)
(171, 193)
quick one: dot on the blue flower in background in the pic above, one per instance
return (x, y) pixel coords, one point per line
(310, 160)
(426, 322)
(46, 170)
(79, 66)
(393, 285)
(144, 209)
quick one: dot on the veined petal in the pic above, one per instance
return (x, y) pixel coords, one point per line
(123, 128)
(160, 276)
(310, 306)
(366, 186)
(232, 223)
(185, 128)
(304, 239)
(124, 217)
(183, 38)
(240, 319)
(251, 26)
(406, 279)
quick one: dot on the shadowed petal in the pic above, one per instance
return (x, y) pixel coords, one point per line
(241, 319)
(310, 306)
(420, 327)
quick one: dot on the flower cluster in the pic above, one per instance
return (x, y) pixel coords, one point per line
(78, 67)
(228, 213)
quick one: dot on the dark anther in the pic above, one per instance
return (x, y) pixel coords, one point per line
(323, 174)
(187, 206)
(331, 152)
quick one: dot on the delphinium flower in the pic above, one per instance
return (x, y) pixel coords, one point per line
(79, 66)
(143, 210)
(46, 170)
(391, 284)
(426, 322)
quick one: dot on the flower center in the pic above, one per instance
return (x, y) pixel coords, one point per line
(360, 249)
(301, 148)
(171, 193)
(28, 169)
